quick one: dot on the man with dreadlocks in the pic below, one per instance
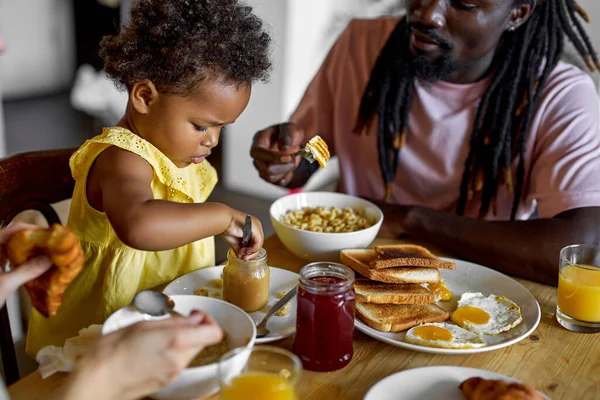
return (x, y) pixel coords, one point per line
(464, 121)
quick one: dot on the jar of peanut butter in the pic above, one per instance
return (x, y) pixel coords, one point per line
(246, 283)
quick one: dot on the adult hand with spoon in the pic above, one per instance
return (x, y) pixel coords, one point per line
(140, 359)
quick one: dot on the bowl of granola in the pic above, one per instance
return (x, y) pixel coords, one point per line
(316, 226)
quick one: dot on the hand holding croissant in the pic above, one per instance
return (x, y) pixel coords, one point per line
(62, 247)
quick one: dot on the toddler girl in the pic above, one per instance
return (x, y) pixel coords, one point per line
(139, 201)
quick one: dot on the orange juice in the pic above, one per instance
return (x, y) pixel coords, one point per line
(258, 387)
(579, 292)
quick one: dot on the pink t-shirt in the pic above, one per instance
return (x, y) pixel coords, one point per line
(562, 164)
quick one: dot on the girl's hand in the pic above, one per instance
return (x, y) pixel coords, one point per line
(141, 359)
(234, 232)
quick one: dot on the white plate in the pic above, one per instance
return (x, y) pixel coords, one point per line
(439, 382)
(281, 281)
(469, 277)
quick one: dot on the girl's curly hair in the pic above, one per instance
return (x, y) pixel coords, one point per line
(177, 43)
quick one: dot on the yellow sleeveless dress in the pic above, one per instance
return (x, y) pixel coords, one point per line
(113, 272)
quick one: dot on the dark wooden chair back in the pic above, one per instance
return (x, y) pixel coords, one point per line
(30, 181)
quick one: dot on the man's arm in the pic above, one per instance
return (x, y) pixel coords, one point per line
(564, 181)
(526, 249)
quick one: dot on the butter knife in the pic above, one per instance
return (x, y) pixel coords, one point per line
(247, 234)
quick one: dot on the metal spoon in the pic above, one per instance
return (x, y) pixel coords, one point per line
(261, 328)
(154, 303)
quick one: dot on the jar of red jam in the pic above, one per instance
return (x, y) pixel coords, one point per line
(325, 316)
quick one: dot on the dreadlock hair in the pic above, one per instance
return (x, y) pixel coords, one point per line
(504, 113)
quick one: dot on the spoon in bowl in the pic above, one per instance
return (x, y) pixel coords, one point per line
(154, 303)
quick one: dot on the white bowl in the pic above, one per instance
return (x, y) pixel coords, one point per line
(201, 381)
(318, 246)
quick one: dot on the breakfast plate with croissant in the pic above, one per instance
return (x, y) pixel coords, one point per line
(451, 383)
(408, 297)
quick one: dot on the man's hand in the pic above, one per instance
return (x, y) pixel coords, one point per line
(272, 150)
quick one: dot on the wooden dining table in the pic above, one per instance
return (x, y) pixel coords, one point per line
(559, 363)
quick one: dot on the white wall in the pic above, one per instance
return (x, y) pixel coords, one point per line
(266, 106)
(314, 25)
(297, 28)
(571, 55)
(40, 46)
(306, 50)
(593, 9)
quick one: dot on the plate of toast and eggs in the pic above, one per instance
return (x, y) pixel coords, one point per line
(209, 282)
(408, 297)
(450, 383)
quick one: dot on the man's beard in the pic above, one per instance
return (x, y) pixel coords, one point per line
(431, 71)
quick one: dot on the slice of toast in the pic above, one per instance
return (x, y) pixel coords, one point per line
(359, 259)
(399, 317)
(384, 293)
(407, 255)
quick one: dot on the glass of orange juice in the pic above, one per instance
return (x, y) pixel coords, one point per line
(578, 305)
(270, 373)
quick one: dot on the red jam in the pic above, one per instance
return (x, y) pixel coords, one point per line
(325, 318)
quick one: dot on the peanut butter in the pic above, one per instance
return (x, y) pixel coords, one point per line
(246, 284)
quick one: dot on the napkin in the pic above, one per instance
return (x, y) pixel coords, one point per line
(54, 359)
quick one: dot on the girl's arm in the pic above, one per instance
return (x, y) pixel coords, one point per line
(119, 185)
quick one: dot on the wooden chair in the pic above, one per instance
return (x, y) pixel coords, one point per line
(30, 181)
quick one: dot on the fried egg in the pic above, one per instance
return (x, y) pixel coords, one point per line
(443, 334)
(440, 290)
(490, 315)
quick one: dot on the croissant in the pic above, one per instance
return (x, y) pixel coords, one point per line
(483, 389)
(62, 247)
